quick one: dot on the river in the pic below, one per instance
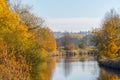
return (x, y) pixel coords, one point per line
(74, 69)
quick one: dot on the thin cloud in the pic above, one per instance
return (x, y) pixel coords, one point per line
(73, 20)
(73, 24)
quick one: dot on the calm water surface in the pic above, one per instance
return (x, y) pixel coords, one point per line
(73, 69)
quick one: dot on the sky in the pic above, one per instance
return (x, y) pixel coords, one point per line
(72, 15)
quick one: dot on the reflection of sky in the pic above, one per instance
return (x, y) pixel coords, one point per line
(79, 71)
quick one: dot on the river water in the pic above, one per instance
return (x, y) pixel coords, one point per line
(74, 69)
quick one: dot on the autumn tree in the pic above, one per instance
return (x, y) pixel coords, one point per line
(42, 35)
(45, 39)
(12, 68)
(27, 18)
(67, 42)
(15, 37)
(14, 33)
(107, 38)
(40, 43)
(82, 45)
(26, 39)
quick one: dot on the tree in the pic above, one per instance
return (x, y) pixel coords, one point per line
(45, 39)
(42, 35)
(107, 38)
(27, 18)
(26, 40)
(12, 68)
(67, 42)
(82, 45)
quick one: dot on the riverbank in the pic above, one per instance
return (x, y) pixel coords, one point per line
(110, 63)
(87, 51)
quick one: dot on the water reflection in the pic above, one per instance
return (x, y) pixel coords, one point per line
(45, 69)
(109, 74)
(50, 67)
(69, 68)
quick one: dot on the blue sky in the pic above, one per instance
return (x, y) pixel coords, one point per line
(72, 15)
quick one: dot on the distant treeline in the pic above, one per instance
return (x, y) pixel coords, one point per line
(60, 34)
(75, 39)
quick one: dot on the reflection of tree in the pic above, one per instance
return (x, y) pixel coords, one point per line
(95, 68)
(83, 65)
(67, 66)
(107, 76)
(45, 69)
(50, 67)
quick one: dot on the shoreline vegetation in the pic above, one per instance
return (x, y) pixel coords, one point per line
(107, 41)
(26, 43)
(81, 54)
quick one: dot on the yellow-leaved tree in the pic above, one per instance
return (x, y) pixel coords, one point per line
(45, 39)
(109, 47)
(13, 38)
(14, 33)
(107, 37)
(24, 36)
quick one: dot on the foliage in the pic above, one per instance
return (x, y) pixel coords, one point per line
(45, 39)
(82, 45)
(12, 68)
(67, 42)
(107, 38)
(14, 33)
(27, 18)
(27, 43)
